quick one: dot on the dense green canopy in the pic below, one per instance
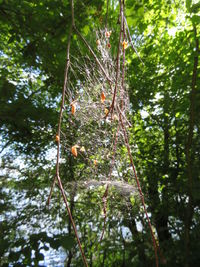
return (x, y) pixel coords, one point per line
(163, 84)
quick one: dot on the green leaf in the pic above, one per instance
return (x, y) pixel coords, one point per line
(195, 8)
(188, 4)
(140, 11)
(86, 30)
(196, 19)
(132, 199)
(67, 242)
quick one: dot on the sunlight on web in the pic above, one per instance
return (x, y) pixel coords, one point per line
(93, 126)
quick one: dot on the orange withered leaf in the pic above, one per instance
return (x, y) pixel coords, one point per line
(74, 151)
(57, 138)
(106, 111)
(125, 44)
(107, 34)
(73, 110)
(98, 42)
(103, 97)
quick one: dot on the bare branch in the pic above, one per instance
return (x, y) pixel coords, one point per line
(118, 61)
(87, 45)
(131, 42)
(58, 143)
(139, 188)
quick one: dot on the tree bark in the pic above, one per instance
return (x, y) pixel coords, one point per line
(188, 153)
(162, 218)
(131, 224)
(72, 205)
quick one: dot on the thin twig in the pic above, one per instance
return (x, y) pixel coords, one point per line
(107, 187)
(139, 188)
(123, 63)
(118, 62)
(51, 191)
(131, 42)
(58, 147)
(86, 44)
(61, 113)
(124, 117)
(104, 198)
(72, 221)
(93, 54)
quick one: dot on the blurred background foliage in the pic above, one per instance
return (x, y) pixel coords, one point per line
(164, 98)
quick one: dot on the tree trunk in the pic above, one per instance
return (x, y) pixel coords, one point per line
(72, 196)
(131, 224)
(188, 153)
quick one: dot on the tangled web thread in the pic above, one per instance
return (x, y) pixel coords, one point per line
(95, 130)
(93, 127)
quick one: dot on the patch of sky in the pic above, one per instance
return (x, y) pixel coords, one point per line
(53, 257)
(144, 114)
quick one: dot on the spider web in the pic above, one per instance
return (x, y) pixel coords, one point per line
(93, 132)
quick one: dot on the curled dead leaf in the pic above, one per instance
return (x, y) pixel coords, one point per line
(73, 109)
(106, 111)
(57, 138)
(74, 150)
(98, 42)
(107, 34)
(103, 97)
(125, 44)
